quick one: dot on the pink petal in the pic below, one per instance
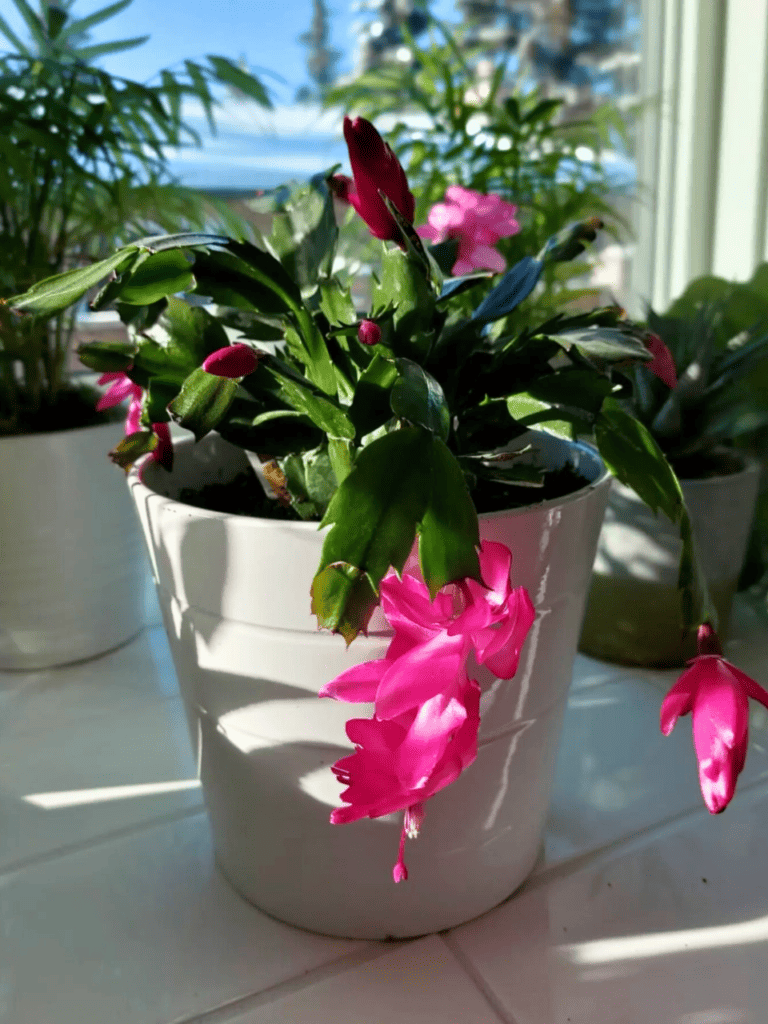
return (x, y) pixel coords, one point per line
(720, 723)
(357, 684)
(163, 453)
(425, 743)
(421, 673)
(662, 364)
(678, 701)
(478, 257)
(132, 424)
(430, 233)
(232, 361)
(501, 653)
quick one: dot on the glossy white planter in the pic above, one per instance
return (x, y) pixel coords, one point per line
(633, 609)
(73, 569)
(234, 593)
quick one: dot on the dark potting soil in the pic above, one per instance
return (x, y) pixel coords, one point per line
(244, 495)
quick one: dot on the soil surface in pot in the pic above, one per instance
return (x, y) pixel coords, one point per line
(244, 495)
(75, 407)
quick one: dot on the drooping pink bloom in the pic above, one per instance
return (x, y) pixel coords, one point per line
(662, 364)
(716, 693)
(477, 221)
(369, 333)
(424, 730)
(399, 763)
(123, 387)
(375, 169)
(232, 361)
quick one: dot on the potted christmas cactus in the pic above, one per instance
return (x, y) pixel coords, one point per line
(82, 166)
(702, 404)
(383, 477)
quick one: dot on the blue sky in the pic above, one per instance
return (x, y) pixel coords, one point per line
(265, 31)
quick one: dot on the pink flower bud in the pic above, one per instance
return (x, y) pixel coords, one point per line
(376, 170)
(369, 333)
(662, 364)
(236, 360)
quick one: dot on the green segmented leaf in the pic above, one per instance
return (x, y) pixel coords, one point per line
(203, 402)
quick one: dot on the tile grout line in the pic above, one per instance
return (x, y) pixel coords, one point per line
(476, 978)
(235, 1008)
(15, 867)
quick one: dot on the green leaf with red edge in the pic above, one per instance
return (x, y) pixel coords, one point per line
(203, 402)
(132, 448)
(343, 599)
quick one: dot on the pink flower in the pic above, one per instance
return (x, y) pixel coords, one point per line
(122, 388)
(232, 361)
(716, 692)
(375, 169)
(369, 333)
(424, 730)
(477, 221)
(662, 364)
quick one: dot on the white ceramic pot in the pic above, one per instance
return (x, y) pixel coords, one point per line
(633, 609)
(73, 568)
(234, 592)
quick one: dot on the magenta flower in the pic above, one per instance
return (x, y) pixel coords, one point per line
(375, 169)
(123, 387)
(716, 692)
(426, 709)
(369, 333)
(662, 364)
(232, 361)
(477, 221)
(400, 763)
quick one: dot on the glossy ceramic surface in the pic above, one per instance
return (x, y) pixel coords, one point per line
(234, 593)
(74, 577)
(633, 608)
(644, 908)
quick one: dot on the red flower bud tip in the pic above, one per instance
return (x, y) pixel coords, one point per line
(341, 186)
(376, 170)
(662, 364)
(369, 333)
(707, 640)
(236, 360)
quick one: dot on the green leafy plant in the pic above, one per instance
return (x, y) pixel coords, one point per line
(717, 334)
(82, 167)
(509, 140)
(387, 430)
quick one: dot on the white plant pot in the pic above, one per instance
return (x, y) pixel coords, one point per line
(73, 569)
(234, 592)
(633, 609)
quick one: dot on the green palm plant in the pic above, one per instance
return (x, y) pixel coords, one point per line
(83, 167)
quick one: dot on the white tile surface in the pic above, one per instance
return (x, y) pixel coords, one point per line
(617, 773)
(675, 932)
(418, 983)
(111, 910)
(138, 931)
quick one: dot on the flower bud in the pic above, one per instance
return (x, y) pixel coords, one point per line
(376, 170)
(369, 333)
(236, 360)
